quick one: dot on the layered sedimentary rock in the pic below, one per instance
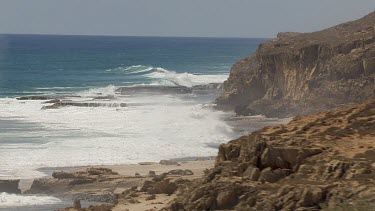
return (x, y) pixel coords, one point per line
(301, 73)
(314, 162)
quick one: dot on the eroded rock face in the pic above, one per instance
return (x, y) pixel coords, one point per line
(316, 161)
(9, 186)
(300, 73)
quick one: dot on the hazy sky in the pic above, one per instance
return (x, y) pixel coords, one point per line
(213, 18)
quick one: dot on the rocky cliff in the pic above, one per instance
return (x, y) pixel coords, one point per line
(300, 73)
(321, 161)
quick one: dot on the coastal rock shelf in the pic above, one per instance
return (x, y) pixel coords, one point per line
(169, 89)
(10, 186)
(301, 73)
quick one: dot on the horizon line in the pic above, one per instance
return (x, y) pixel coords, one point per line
(156, 36)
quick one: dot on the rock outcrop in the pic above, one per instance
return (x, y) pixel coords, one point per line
(10, 186)
(313, 162)
(302, 73)
(66, 181)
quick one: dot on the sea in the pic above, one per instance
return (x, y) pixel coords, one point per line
(130, 100)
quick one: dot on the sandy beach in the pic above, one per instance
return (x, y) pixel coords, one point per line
(125, 177)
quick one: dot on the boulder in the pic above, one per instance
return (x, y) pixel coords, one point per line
(100, 171)
(164, 186)
(10, 186)
(63, 175)
(269, 175)
(181, 172)
(252, 173)
(151, 174)
(168, 162)
(226, 199)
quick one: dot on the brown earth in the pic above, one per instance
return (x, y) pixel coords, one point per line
(325, 160)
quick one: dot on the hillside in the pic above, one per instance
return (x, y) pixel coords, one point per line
(302, 73)
(324, 160)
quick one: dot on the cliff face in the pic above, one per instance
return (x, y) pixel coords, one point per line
(321, 161)
(298, 73)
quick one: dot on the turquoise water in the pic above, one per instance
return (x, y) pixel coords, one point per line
(32, 64)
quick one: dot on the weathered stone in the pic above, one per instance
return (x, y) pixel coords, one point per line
(226, 199)
(10, 186)
(151, 173)
(168, 162)
(180, 172)
(269, 175)
(100, 171)
(63, 175)
(252, 173)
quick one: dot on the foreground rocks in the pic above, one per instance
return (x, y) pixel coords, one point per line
(63, 182)
(302, 73)
(326, 160)
(10, 186)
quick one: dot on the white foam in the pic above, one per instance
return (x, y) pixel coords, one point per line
(13, 200)
(167, 77)
(134, 69)
(158, 127)
(161, 76)
(103, 91)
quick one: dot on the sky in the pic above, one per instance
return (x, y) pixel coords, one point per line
(186, 18)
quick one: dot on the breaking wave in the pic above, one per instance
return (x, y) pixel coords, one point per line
(161, 76)
(13, 200)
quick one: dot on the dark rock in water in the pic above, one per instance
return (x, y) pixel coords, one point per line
(180, 172)
(168, 162)
(34, 98)
(10, 186)
(302, 73)
(108, 97)
(82, 104)
(155, 89)
(52, 101)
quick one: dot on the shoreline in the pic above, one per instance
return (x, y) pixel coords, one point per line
(129, 175)
(241, 125)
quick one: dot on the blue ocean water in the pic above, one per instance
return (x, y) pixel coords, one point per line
(30, 64)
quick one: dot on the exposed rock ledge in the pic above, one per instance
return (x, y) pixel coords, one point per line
(301, 73)
(9, 186)
(314, 162)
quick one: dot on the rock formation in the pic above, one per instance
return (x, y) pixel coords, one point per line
(313, 162)
(301, 73)
(10, 186)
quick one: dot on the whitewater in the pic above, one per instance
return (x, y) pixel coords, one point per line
(149, 128)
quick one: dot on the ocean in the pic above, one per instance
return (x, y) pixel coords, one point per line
(125, 126)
